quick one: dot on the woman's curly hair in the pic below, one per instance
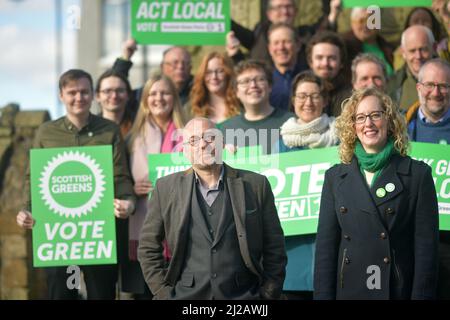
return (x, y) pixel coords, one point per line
(345, 123)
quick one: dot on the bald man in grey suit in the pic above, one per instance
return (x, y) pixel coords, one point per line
(221, 227)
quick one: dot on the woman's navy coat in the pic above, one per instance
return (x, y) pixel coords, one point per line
(371, 247)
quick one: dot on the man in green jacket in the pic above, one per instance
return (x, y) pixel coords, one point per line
(81, 128)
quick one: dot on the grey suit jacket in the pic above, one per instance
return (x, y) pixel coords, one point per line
(261, 239)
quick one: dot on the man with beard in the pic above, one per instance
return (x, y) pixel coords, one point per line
(221, 225)
(327, 57)
(430, 122)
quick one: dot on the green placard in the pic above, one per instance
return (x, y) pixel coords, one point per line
(386, 3)
(297, 177)
(437, 156)
(72, 203)
(180, 22)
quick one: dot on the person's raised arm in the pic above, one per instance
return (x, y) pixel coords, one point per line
(124, 64)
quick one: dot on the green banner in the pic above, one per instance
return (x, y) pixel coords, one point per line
(180, 22)
(297, 177)
(72, 203)
(437, 156)
(386, 3)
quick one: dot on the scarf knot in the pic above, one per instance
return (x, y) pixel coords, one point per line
(374, 162)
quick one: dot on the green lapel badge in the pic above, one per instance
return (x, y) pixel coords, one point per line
(380, 192)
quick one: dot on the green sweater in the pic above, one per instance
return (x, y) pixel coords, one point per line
(244, 133)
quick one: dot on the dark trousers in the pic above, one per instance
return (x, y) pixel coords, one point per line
(443, 292)
(297, 295)
(100, 282)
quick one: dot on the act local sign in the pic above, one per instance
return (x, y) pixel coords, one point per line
(180, 22)
(72, 194)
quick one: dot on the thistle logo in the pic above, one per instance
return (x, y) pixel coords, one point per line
(72, 184)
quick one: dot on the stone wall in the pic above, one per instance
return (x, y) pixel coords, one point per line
(18, 279)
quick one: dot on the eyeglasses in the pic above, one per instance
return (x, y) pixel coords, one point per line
(153, 94)
(280, 7)
(217, 73)
(195, 140)
(109, 92)
(302, 97)
(175, 63)
(442, 87)
(244, 83)
(373, 116)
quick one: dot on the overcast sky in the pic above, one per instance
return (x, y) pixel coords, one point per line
(27, 57)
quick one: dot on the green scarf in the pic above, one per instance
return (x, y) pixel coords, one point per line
(374, 162)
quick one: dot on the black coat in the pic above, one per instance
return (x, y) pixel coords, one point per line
(397, 233)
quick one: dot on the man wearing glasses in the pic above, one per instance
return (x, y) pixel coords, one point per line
(114, 96)
(259, 123)
(221, 226)
(176, 64)
(431, 123)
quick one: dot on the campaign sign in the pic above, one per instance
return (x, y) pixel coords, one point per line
(180, 22)
(72, 194)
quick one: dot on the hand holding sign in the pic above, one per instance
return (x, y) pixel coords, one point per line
(129, 48)
(25, 220)
(335, 10)
(142, 188)
(232, 44)
(123, 208)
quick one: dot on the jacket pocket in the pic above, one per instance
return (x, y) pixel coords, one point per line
(242, 279)
(165, 293)
(341, 272)
(187, 280)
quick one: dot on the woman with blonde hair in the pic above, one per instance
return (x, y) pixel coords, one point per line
(212, 95)
(378, 224)
(154, 131)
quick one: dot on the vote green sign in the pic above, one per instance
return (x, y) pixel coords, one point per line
(297, 178)
(180, 22)
(437, 156)
(72, 194)
(386, 3)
